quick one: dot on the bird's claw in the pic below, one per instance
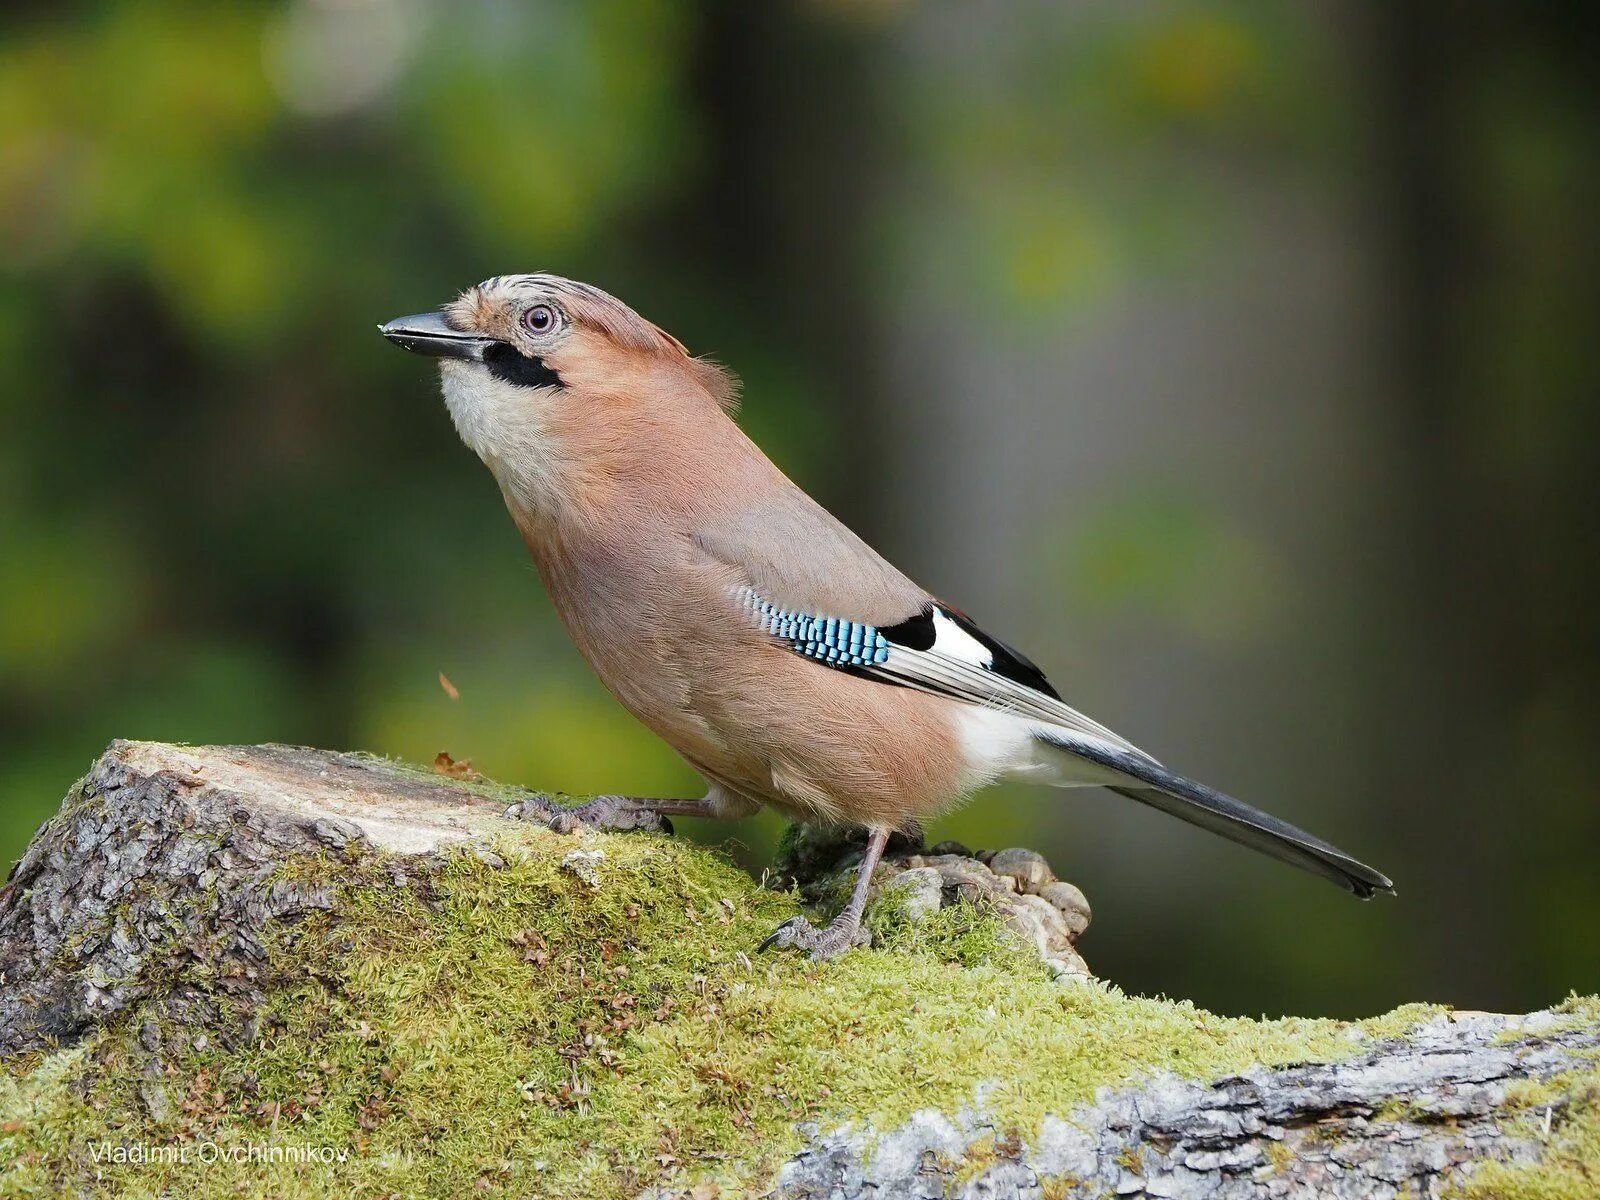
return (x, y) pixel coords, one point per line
(821, 944)
(613, 813)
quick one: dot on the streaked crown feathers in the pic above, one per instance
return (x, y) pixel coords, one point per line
(498, 300)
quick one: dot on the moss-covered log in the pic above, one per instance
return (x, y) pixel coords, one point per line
(279, 972)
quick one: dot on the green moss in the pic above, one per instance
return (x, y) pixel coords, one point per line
(1532, 1093)
(961, 934)
(1279, 1156)
(517, 1031)
(1563, 1111)
(1568, 1168)
(1575, 1012)
(38, 1116)
(977, 1158)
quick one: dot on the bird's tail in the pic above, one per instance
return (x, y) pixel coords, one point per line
(1143, 779)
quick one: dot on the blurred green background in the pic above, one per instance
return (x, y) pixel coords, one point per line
(1235, 359)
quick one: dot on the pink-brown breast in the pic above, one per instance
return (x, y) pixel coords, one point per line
(639, 469)
(659, 625)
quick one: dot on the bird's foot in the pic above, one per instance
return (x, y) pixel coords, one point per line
(822, 944)
(614, 813)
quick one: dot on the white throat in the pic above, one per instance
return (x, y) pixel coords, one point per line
(504, 424)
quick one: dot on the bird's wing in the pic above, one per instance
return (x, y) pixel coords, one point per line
(825, 594)
(797, 554)
(938, 650)
(809, 582)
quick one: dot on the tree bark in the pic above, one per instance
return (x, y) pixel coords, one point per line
(1397, 1121)
(160, 838)
(162, 847)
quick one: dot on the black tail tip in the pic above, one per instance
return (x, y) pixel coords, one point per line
(1367, 888)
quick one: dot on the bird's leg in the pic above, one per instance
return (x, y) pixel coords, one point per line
(614, 812)
(844, 930)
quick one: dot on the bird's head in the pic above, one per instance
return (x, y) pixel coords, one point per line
(541, 372)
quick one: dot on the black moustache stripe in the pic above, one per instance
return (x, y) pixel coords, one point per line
(505, 363)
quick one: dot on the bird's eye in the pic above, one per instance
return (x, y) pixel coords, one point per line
(541, 318)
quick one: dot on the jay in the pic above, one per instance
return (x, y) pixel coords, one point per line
(778, 653)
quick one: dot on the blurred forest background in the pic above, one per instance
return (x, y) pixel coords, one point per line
(1237, 360)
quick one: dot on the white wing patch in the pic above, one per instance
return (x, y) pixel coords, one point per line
(955, 663)
(955, 642)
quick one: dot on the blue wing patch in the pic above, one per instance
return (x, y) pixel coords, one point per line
(830, 640)
(937, 650)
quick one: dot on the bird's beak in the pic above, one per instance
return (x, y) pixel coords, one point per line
(426, 333)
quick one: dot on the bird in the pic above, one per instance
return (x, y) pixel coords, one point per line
(790, 664)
